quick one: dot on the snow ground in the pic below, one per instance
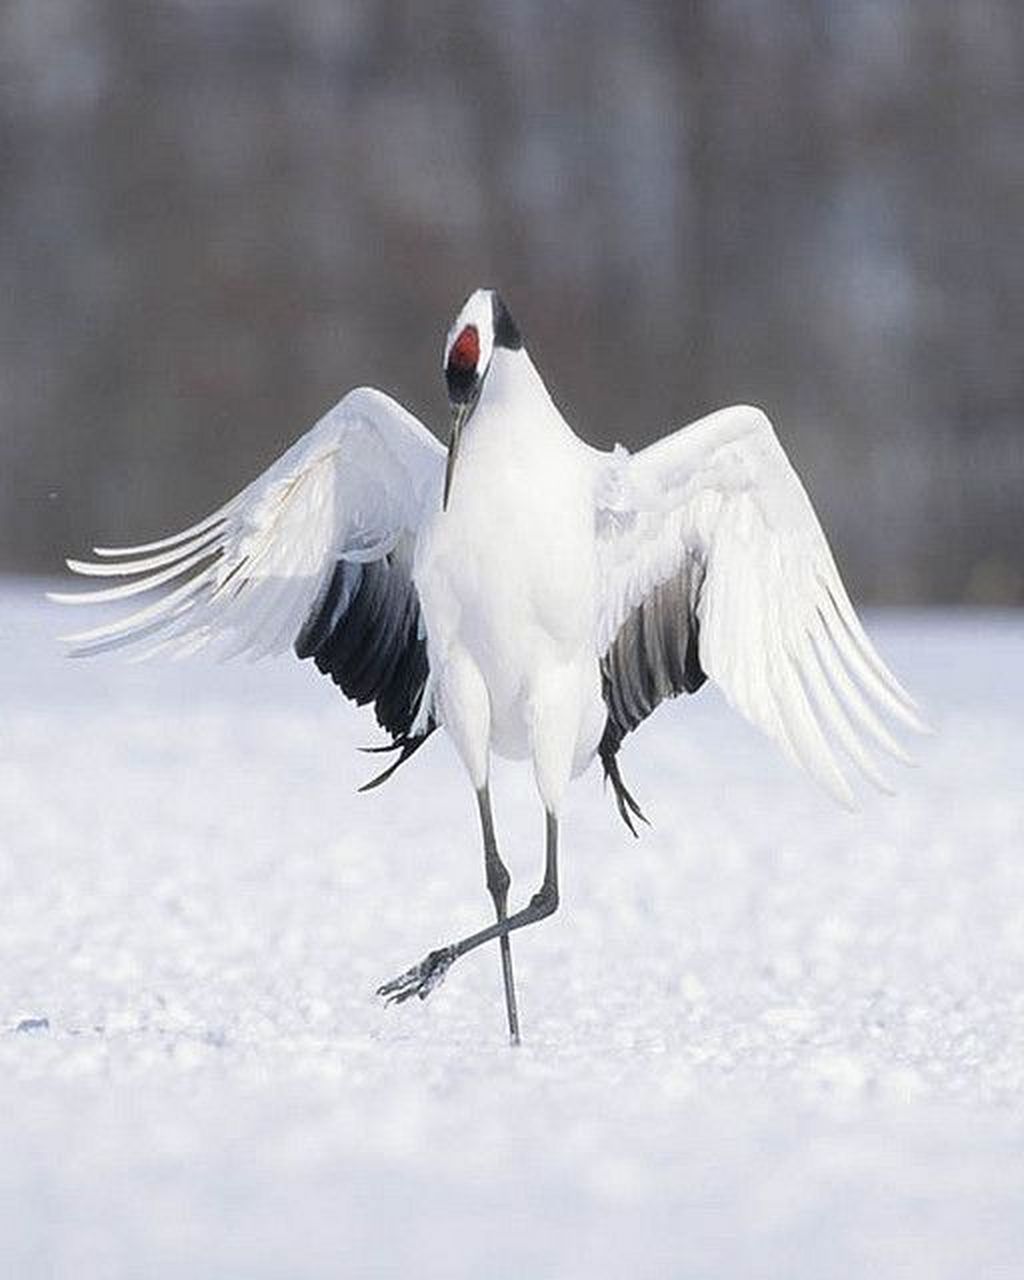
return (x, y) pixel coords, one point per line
(769, 1039)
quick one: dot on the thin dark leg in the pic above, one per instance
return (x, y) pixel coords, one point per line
(422, 978)
(497, 884)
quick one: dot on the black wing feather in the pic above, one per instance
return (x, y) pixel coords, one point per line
(366, 634)
(655, 655)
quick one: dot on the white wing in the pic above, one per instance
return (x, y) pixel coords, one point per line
(714, 564)
(315, 554)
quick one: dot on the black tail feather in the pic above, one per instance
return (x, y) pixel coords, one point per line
(405, 746)
(628, 806)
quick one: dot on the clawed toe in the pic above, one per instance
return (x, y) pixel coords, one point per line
(421, 979)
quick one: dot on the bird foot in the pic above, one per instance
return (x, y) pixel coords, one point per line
(421, 979)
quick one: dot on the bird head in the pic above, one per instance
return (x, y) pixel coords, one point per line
(483, 324)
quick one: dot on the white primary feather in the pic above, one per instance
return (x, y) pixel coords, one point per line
(247, 577)
(718, 506)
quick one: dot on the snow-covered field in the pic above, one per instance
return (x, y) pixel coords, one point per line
(769, 1039)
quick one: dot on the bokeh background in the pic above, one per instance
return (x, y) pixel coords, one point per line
(218, 215)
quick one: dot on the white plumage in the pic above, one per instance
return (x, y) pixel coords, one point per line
(541, 601)
(356, 485)
(719, 505)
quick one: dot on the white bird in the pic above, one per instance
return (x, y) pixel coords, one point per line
(534, 596)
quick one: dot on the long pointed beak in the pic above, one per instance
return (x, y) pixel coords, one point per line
(460, 413)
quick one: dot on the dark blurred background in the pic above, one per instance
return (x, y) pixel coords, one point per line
(216, 216)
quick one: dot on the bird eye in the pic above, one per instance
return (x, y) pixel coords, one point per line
(465, 350)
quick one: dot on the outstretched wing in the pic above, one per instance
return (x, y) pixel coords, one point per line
(315, 554)
(714, 566)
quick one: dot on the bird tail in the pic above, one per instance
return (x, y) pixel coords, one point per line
(628, 806)
(405, 745)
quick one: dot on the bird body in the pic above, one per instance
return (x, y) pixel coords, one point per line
(507, 578)
(533, 596)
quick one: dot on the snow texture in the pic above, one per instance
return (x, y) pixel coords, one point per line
(769, 1039)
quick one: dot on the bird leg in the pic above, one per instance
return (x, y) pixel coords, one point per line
(422, 978)
(498, 881)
